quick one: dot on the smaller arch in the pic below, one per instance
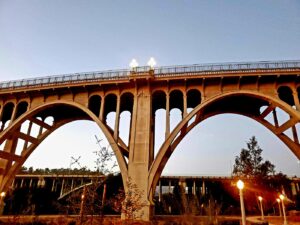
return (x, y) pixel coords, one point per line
(95, 104)
(285, 93)
(126, 102)
(21, 108)
(110, 104)
(193, 98)
(7, 111)
(176, 100)
(158, 101)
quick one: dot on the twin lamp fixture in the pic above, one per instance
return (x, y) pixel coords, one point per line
(133, 64)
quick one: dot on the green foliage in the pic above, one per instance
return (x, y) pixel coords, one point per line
(250, 162)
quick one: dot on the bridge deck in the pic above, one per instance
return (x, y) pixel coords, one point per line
(199, 69)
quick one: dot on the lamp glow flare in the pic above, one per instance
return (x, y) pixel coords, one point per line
(151, 62)
(240, 185)
(133, 64)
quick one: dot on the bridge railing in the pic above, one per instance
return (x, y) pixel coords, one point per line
(158, 72)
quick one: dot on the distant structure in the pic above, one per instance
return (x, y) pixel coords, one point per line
(257, 90)
(68, 183)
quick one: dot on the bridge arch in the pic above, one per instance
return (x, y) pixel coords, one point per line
(208, 109)
(15, 162)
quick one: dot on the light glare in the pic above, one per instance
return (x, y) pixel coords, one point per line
(133, 64)
(240, 184)
(151, 62)
(281, 197)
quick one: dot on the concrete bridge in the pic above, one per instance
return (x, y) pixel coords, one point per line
(254, 90)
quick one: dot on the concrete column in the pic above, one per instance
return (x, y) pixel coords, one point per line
(170, 187)
(72, 184)
(28, 133)
(62, 187)
(275, 118)
(30, 183)
(295, 134)
(102, 109)
(22, 182)
(194, 187)
(1, 112)
(13, 116)
(203, 192)
(167, 116)
(53, 185)
(117, 119)
(293, 189)
(184, 113)
(297, 186)
(159, 191)
(140, 151)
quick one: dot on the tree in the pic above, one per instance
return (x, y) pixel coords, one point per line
(250, 162)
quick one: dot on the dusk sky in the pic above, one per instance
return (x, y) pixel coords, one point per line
(40, 38)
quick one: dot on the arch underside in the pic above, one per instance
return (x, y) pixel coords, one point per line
(62, 113)
(252, 105)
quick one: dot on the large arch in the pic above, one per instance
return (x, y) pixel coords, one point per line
(182, 129)
(11, 171)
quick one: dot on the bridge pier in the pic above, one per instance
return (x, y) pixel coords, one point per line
(140, 154)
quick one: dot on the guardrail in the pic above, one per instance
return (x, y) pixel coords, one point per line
(158, 72)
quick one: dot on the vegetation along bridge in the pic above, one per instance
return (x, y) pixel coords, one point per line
(257, 90)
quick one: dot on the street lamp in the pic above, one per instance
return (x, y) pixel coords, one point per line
(133, 64)
(279, 208)
(261, 208)
(240, 185)
(2, 195)
(283, 209)
(151, 63)
(82, 205)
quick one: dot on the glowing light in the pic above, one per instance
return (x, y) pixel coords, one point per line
(260, 198)
(240, 184)
(151, 62)
(82, 196)
(278, 200)
(281, 197)
(133, 64)
(2, 194)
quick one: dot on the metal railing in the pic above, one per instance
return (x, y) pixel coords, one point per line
(158, 72)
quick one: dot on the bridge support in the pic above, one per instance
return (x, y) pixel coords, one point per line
(141, 154)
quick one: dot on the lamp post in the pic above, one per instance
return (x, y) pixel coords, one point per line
(83, 196)
(151, 63)
(261, 208)
(240, 185)
(283, 209)
(279, 208)
(133, 64)
(2, 195)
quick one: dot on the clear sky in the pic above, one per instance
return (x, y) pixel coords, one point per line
(40, 38)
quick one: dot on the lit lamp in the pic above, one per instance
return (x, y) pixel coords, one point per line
(133, 64)
(82, 204)
(261, 208)
(240, 185)
(2, 195)
(283, 209)
(151, 63)
(279, 208)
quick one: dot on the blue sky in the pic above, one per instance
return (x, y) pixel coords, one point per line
(54, 37)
